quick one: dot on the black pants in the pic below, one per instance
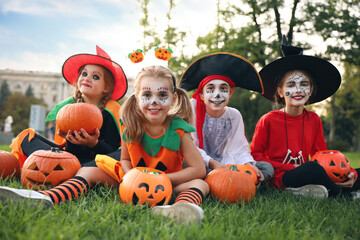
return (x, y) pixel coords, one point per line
(41, 143)
(314, 173)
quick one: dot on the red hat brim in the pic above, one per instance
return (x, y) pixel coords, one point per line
(70, 71)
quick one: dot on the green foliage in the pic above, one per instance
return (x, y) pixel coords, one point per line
(18, 106)
(4, 93)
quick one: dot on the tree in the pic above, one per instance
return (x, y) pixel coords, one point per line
(4, 93)
(29, 92)
(18, 106)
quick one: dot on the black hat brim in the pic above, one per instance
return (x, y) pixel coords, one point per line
(233, 66)
(325, 76)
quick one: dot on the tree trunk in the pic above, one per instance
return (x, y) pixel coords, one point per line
(332, 119)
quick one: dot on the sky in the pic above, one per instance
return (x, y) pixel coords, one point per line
(39, 35)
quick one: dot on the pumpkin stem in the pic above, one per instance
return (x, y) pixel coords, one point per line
(79, 100)
(233, 168)
(55, 149)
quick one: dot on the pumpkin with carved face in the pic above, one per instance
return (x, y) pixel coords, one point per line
(46, 169)
(136, 56)
(163, 53)
(336, 165)
(143, 185)
(246, 169)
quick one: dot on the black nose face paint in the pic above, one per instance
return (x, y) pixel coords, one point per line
(287, 93)
(217, 96)
(154, 103)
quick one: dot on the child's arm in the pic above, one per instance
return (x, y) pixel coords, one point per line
(196, 167)
(125, 157)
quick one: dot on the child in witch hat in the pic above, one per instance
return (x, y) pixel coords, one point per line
(285, 138)
(100, 81)
(220, 133)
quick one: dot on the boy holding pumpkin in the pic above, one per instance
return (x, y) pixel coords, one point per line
(220, 132)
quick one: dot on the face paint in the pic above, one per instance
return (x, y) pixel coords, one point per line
(216, 92)
(297, 89)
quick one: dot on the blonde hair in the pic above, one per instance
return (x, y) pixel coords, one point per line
(281, 80)
(131, 115)
(109, 82)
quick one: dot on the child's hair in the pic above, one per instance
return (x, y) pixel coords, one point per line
(109, 81)
(134, 119)
(280, 79)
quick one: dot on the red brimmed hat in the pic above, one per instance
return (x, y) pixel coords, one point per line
(324, 75)
(70, 70)
(231, 68)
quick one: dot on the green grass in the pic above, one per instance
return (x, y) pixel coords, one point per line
(101, 215)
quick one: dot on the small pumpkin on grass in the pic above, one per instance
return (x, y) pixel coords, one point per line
(336, 165)
(48, 168)
(79, 115)
(230, 185)
(9, 165)
(143, 185)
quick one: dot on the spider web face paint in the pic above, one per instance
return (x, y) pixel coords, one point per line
(297, 89)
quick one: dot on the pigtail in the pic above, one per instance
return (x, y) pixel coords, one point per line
(182, 107)
(77, 95)
(133, 120)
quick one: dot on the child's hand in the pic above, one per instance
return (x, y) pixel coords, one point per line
(83, 138)
(213, 164)
(349, 182)
(258, 173)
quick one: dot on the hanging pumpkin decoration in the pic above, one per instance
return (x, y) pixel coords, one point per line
(230, 185)
(336, 165)
(136, 56)
(163, 53)
(9, 165)
(48, 168)
(246, 169)
(79, 115)
(143, 185)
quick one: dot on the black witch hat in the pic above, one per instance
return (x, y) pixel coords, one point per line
(325, 76)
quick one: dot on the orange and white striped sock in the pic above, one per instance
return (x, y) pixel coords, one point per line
(191, 195)
(72, 188)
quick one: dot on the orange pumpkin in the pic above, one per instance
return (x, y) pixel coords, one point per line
(9, 165)
(136, 56)
(79, 115)
(46, 169)
(336, 165)
(143, 185)
(230, 185)
(163, 53)
(246, 169)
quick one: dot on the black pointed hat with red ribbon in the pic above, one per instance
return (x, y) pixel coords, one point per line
(325, 76)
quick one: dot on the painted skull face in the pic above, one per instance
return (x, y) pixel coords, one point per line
(155, 97)
(296, 89)
(216, 94)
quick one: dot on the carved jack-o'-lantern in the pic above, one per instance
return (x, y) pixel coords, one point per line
(230, 185)
(246, 169)
(163, 53)
(79, 115)
(336, 165)
(145, 185)
(9, 165)
(46, 169)
(136, 56)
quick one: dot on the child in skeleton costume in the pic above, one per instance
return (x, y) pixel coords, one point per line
(220, 133)
(286, 137)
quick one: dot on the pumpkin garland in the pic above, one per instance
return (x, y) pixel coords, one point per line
(136, 56)
(163, 53)
(336, 165)
(48, 168)
(230, 185)
(143, 185)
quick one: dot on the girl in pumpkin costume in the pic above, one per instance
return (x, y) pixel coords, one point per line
(156, 133)
(99, 81)
(285, 138)
(220, 133)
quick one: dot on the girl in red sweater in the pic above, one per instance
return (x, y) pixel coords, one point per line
(287, 138)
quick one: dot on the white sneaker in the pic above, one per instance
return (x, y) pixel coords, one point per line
(355, 195)
(182, 212)
(19, 195)
(311, 190)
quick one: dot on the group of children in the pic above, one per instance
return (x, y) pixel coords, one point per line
(158, 126)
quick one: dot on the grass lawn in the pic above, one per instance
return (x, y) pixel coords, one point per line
(101, 215)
